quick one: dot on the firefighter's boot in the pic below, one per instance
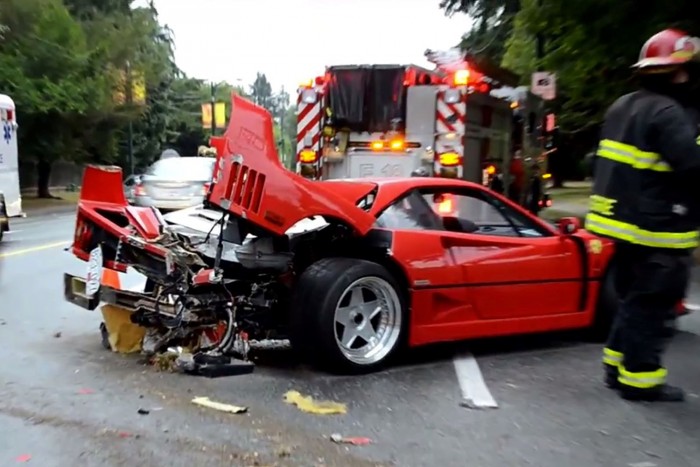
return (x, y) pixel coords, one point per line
(662, 393)
(612, 359)
(611, 375)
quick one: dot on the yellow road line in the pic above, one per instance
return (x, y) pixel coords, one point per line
(34, 248)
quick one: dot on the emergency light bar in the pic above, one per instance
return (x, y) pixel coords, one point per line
(461, 78)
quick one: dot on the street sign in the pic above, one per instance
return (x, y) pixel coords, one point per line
(544, 84)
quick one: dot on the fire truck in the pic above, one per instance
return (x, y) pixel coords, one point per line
(388, 120)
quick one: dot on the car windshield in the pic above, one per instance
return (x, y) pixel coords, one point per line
(190, 168)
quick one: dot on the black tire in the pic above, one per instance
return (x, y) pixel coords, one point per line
(313, 326)
(606, 309)
(104, 336)
(4, 221)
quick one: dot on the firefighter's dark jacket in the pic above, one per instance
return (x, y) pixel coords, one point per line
(646, 188)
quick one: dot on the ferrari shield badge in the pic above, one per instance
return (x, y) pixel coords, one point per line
(595, 246)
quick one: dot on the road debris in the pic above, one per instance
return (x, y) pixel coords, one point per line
(58, 334)
(221, 407)
(23, 458)
(309, 405)
(354, 440)
(123, 335)
(85, 391)
(143, 411)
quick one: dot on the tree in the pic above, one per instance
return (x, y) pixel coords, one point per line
(590, 53)
(44, 63)
(261, 92)
(493, 25)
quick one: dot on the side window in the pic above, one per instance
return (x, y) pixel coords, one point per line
(478, 213)
(410, 212)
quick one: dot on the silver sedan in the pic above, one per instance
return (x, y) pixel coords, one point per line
(175, 183)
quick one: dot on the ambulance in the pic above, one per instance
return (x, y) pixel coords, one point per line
(360, 121)
(10, 198)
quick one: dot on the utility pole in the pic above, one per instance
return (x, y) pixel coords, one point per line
(129, 101)
(283, 110)
(213, 109)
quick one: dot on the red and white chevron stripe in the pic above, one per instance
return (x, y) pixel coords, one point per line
(450, 118)
(308, 123)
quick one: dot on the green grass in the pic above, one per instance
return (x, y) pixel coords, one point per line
(30, 202)
(575, 194)
(554, 215)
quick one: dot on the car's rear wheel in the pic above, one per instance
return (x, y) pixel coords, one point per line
(348, 315)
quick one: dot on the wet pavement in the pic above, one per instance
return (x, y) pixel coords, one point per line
(66, 401)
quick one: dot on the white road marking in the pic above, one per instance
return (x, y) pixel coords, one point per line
(475, 393)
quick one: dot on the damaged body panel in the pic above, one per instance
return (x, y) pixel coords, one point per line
(347, 270)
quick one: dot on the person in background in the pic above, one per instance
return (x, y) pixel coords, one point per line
(535, 191)
(517, 177)
(496, 182)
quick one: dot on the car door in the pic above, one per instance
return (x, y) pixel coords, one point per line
(436, 281)
(512, 267)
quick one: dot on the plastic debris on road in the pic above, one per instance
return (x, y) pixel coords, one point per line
(309, 405)
(23, 458)
(221, 407)
(124, 336)
(354, 440)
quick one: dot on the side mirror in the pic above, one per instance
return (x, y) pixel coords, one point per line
(569, 225)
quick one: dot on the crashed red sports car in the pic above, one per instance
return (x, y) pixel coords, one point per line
(350, 271)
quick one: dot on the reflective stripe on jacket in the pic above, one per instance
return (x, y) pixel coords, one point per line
(644, 186)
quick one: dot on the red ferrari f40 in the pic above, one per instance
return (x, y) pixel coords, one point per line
(350, 271)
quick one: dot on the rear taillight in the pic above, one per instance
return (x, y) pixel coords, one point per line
(139, 190)
(83, 234)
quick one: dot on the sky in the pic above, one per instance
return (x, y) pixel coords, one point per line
(292, 41)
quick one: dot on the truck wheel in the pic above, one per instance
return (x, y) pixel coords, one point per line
(348, 315)
(4, 222)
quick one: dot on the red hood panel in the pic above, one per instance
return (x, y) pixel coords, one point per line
(250, 181)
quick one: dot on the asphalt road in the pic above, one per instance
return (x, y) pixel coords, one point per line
(65, 401)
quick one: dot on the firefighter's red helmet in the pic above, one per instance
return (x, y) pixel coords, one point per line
(668, 48)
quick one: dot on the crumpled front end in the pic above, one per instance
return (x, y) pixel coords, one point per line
(202, 292)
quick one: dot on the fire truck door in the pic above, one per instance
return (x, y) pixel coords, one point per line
(380, 165)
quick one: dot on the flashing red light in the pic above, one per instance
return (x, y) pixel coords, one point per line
(461, 77)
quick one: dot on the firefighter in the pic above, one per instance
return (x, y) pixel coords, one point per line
(496, 183)
(534, 192)
(646, 170)
(420, 172)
